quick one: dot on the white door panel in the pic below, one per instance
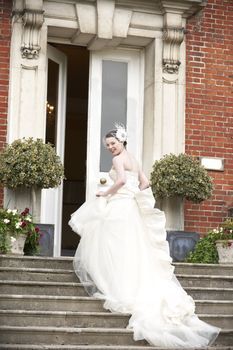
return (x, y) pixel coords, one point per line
(134, 111)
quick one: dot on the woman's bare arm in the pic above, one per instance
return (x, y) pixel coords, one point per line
(118, 165)
(143, 181)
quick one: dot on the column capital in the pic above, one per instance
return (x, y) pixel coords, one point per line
(174, 13)
(31, 14)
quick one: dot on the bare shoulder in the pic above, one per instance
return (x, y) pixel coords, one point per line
(117, 160)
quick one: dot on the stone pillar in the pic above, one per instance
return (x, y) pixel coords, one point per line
(27, 95)
(27, 92)
(164, 111)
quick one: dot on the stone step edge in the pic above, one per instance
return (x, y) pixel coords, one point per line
(89, 313)
(82, 298)
(34, 257)
(97, 330)
(78, 284)
(36, 269)
(97, 347)
(67, 259)
(71, 272)
(201, 265)
(65, 313)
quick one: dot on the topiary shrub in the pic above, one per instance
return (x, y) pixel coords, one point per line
(180, 175)
(29, 163)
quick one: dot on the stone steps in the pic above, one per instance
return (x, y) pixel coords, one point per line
(93, 347)
(66, 263)
(210, 293)
(67, 335)
(88, 304)
(34, 274)
(204, 269)
(81, 336)
(50, 303)
(43, 306)
(44, 318)
(76, 289)
(38, 262)
(205, 281)
(68, 276)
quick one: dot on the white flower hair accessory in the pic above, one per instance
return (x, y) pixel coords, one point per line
(121, 133)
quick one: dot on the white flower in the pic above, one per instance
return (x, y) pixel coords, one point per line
(18, 224)
(121, 133)
(6, 221)
(215, 231)
(14, 212)
(13, 239)
(28, 218)
(9, 211)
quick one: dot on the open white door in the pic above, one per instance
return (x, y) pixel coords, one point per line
(51, 200)
(115, 96)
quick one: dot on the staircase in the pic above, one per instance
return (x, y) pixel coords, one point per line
(43, 306)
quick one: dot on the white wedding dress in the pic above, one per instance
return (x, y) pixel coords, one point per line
(123, 258)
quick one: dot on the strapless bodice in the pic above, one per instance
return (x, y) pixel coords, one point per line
(132, 181)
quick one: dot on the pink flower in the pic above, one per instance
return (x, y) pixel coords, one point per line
(25, 212)
(23, 224)
(229, 244)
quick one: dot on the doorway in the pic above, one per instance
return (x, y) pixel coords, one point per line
(112, 91)
(74, 186)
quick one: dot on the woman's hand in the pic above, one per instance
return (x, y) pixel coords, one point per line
(101, 194)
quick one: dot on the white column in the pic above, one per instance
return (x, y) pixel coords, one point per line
(27, 95)
(27, 92)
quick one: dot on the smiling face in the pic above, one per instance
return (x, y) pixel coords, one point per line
(114, 146)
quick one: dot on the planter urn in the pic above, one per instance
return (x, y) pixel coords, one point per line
(225, 251)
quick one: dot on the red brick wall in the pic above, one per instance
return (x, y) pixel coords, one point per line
(209, 106)
(5, 35)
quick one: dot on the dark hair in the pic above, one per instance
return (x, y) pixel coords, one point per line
(112, 133)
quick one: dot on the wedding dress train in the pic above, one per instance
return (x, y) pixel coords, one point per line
(123, 258)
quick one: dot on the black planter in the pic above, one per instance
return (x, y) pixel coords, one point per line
(46, 239)
(181, 243)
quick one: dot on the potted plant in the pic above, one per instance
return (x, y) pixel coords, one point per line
(180, 175)
(173, 179)
(215, 247)
(18, 234)
(30, 164)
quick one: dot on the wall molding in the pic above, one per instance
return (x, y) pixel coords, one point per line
(172, 39)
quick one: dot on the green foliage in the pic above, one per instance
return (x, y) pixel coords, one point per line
(180, 175)
(205, 250)
(28, 163)
(12, 224)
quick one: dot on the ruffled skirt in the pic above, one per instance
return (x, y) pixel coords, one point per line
(123, 258)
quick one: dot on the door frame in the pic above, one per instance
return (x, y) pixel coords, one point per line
(52, 199)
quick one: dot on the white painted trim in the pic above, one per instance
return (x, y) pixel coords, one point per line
(51, 199)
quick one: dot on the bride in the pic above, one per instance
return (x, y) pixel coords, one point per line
(123, 257)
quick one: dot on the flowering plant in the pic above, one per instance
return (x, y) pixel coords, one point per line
(205, 250)
(223, 233)
(12, 224)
